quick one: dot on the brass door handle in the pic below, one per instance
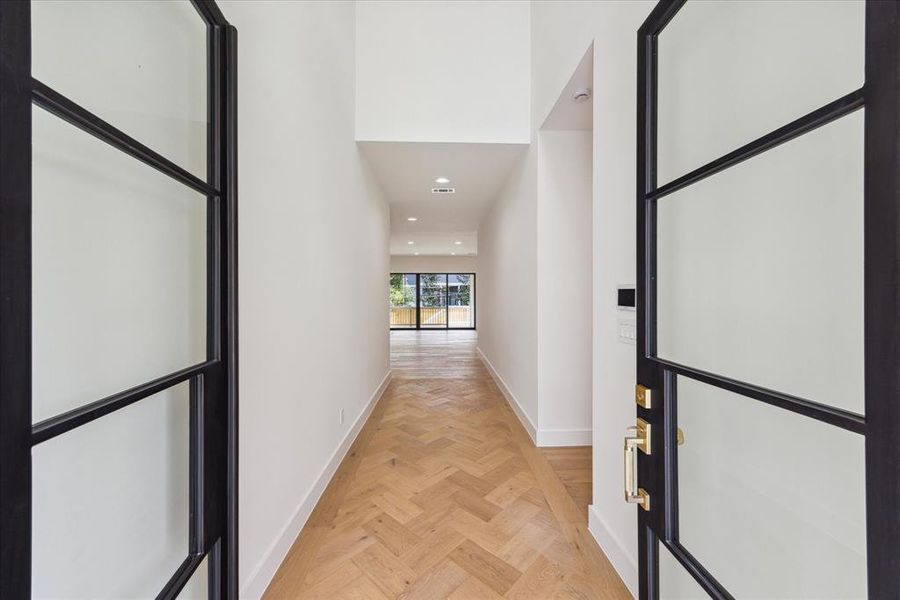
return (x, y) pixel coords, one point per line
(638, 437)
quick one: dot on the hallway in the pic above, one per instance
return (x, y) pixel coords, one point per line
(443, 495)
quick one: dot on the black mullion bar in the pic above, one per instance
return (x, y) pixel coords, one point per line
(817, 118)
(670, 454)
(230, 308)
(473, 293)
(57, 104)
(648, 550)
(709, 583)
(659, 17)
(180, 578)
(446, 301)
(821, 412)
(15, 300)
(197, 487)
(215, 410)
(54, 426)
(418, 301)
(882, 297)
(210, 12)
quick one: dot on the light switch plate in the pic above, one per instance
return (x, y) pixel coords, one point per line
(628, 331)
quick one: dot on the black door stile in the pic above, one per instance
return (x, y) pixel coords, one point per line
(658, 473)
(15, 299)
(882, 297)
(213, 383)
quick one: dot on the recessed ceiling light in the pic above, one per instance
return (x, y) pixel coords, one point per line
(442, 180)
(458, 243)
(410, 242)
(416, 253)
(453, 254)
(411, 219)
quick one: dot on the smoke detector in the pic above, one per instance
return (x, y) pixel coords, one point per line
(582, 95)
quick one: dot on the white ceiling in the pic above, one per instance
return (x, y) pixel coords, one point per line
(567, 114)
(407, 170)
(435, 244)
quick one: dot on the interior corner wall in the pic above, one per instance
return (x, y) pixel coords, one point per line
(433, 264)
(507, 284)
(308, 350)
(467, 80)
(561, 30)
(564, 288)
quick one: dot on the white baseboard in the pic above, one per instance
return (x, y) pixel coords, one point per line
(510, 398)
(614, 550)
(265, 569)
(564, 437)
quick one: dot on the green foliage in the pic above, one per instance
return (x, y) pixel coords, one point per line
(433, 290)
(401, 295)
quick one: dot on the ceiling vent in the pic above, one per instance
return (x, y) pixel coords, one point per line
(443, 190)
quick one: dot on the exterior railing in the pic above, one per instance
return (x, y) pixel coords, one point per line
(432, 316)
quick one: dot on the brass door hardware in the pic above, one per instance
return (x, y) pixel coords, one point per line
(638, 437)
(679, 437)
(643, 396)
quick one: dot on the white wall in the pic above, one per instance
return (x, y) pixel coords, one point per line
(507, 283)
(535, 259)
(466, 81)
(434, 264)
(564, 287)
(560, 33)
(307, 350)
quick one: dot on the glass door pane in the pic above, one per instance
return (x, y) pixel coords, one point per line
(197, 586)
(111, 502)
(762, 264)
(675, 583)
(119, 270)
(433, 300)
(461, 300)
(139, 65)
(730, 72)
(403, 300)
(772, 503)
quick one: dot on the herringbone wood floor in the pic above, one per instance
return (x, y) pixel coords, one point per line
(443, 495)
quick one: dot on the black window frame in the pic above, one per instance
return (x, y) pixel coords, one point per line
(213, 482)
(446, 275)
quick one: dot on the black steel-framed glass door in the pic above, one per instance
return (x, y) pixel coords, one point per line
(764, 456)
(118, 440)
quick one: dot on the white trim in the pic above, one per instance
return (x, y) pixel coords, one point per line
(614, 550)
(510, 398)
(547, 438)
(265, 569)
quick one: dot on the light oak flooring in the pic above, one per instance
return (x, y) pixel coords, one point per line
(435, 355)
(443, 495)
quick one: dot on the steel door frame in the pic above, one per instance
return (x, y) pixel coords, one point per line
(213, 383)
(658, 473)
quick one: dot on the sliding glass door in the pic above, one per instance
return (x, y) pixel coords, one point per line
(403, 301)
(461, 301)
(432, 300)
